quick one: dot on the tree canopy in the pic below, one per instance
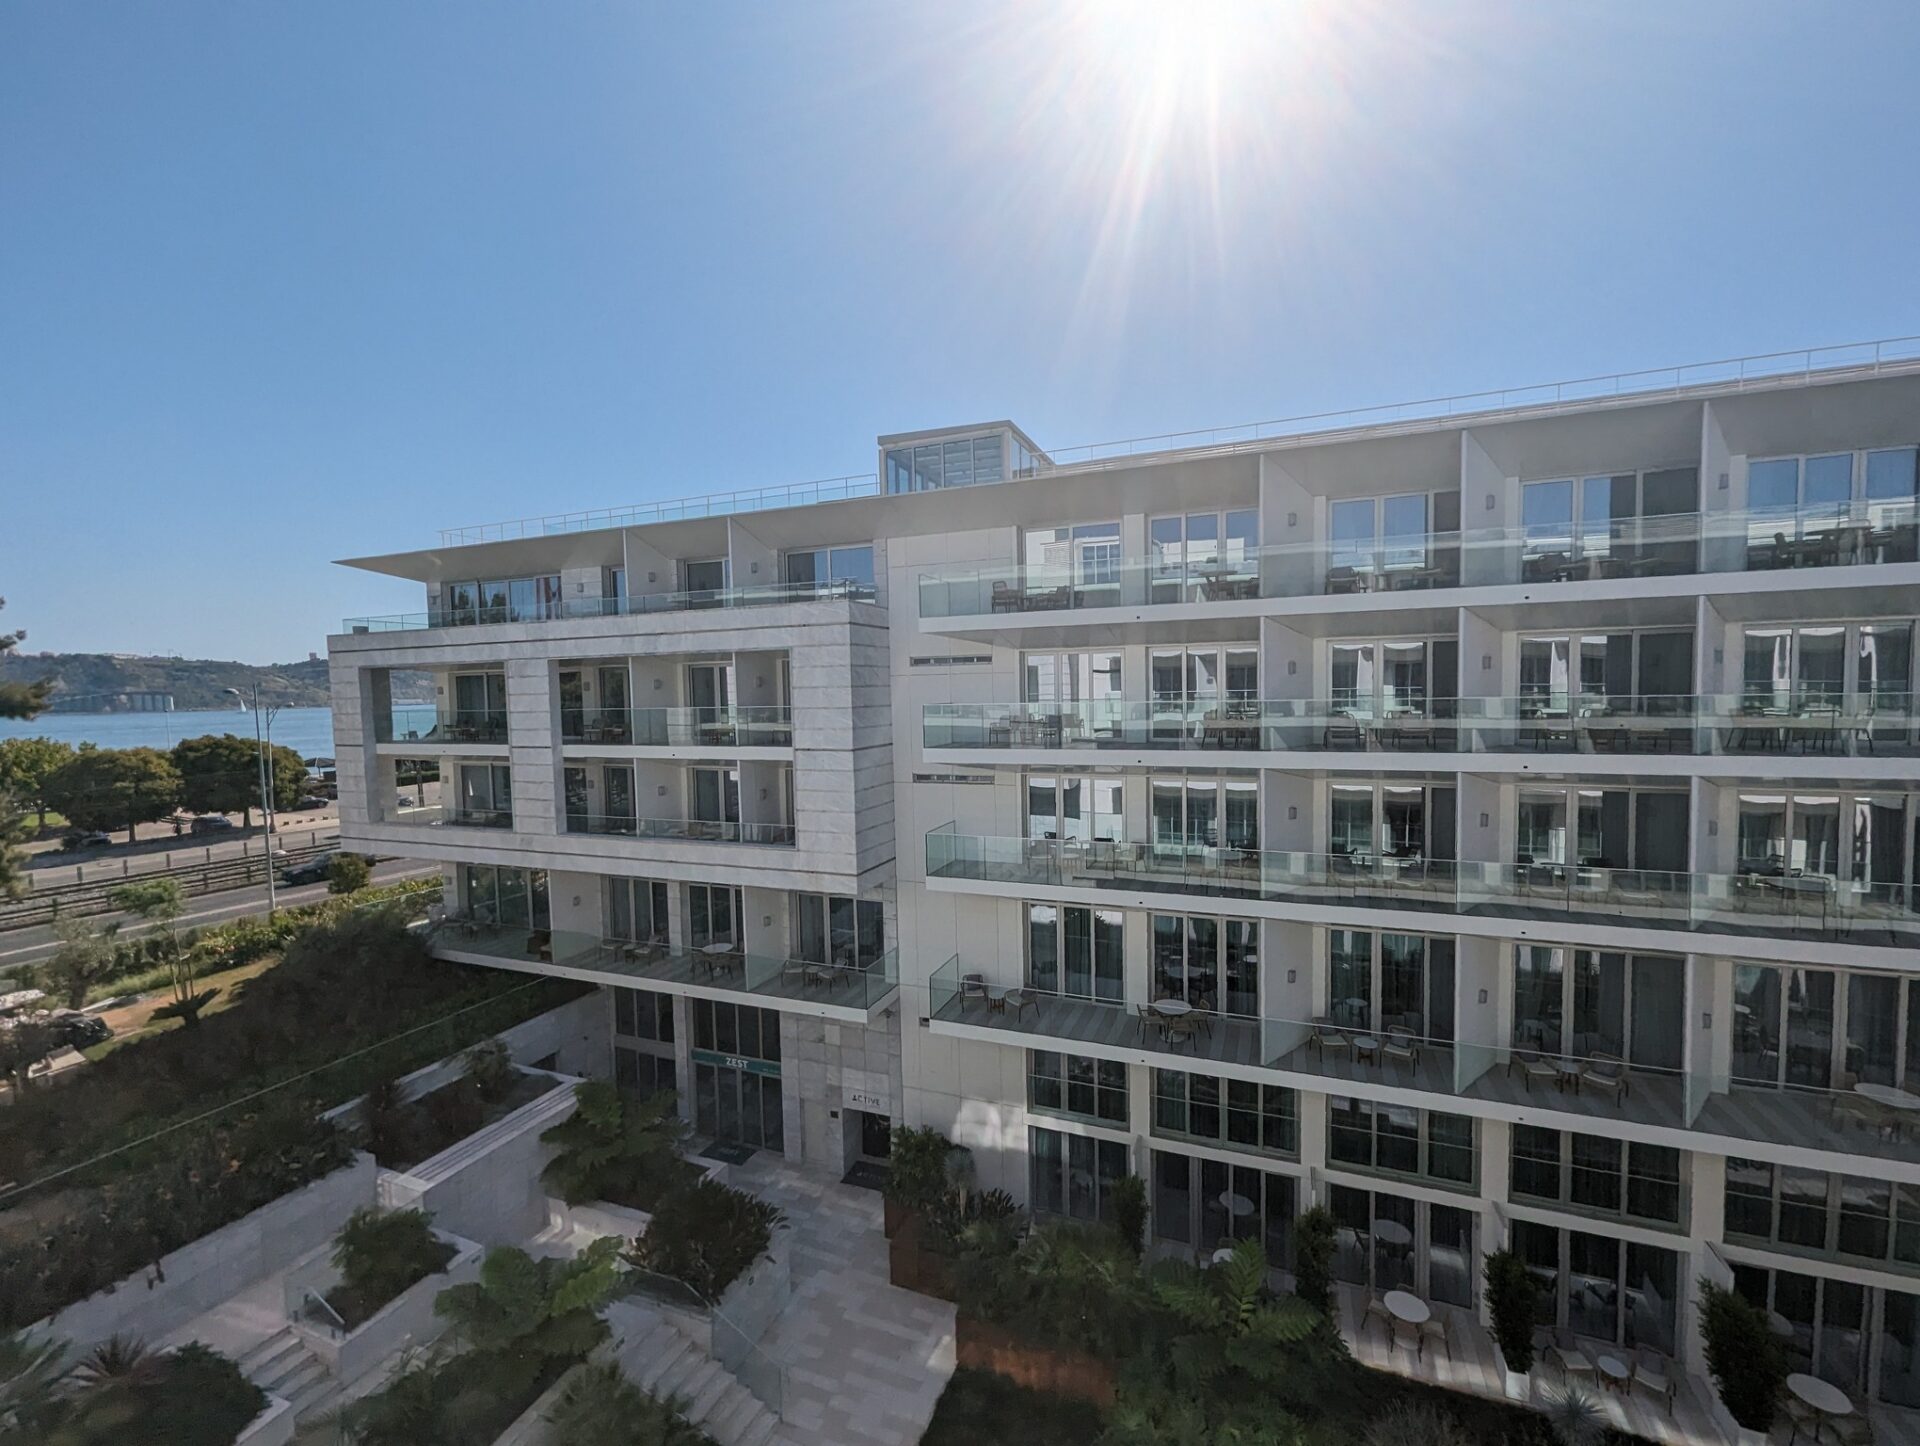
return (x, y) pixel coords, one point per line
(105, 788)
(220, 773)
(25, 766)
(17, 700)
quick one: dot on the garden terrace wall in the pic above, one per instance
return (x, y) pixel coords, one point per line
(407, 1319)
(982, 1346)
(274, 1426)
(211, 1270)
(487, 1186)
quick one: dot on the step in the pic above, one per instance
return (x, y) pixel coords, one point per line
(761, 1432)
(730, 1420)
(662, 1362)
(694, 1383)
(702, 1405)
(270, 1352)
(298, 1378)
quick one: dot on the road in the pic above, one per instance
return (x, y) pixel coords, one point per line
(28, 946)
(47, 866)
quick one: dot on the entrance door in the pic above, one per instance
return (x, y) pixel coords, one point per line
(876, 1136)
(739, 1107)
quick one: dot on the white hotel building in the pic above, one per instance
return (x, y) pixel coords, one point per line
(1500, 826)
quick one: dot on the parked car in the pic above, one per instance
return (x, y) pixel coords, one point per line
(79, 1030)
(313, 800)
(80, 839)
(211, 823)
(309, 871)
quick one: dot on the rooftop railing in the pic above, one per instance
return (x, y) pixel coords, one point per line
(1766, 900)
(1670, 545)
(1768, 369)
(451, 815)
(767, 595)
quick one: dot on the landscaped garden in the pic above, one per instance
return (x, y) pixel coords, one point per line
(1165, 1354)
(380, 1254)
(121, 1392)
(401, 1133)
(172, 1136)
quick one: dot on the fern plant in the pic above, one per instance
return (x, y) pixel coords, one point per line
(616, 1147)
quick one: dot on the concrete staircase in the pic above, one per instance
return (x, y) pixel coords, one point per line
(283, 1365)
(665, 1363)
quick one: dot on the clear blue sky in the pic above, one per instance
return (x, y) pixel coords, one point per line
(281, 283)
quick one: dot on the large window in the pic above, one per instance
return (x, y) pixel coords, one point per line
(736, 1029)
(1817, 1213)
(1398, 1140)
(1232, 1112)
(1072, 1175)
(1408, 821)
(643, 1057)
(1075, 951)
(846, 570)
(1587, 1172)
(1082, 807)
(511, 898)
(1391, 1242)
(1600, 1287)
(1625, 525)
(486, 796)
(1071, 1084)
(1605, 828)
(1824, 1028)
(1188, 686)
(1194, 811)
(1073, 566)
(715, 915)
(1828, 1322)
(1205, 1203)
(1596, 673)
(1392, 679)
(1858, 666)
(1211, 963)
(828, 929)
(503, 600)
(637, 910)
(1844, 838)
(1391, 981)
(1386, 542)
(1204, 555)
(955, 462)
(1586, 1002)
(1063, 679)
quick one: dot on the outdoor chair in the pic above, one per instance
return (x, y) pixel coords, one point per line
(1655, 1372)
(1148, 1019)
(1405, 1333)
(1567, 1354)
(1017, 1001)
(1854, 1430)
(1377, 1310)
(1345, 580)
(973, 986)
(1326, 1035)
(1401, 1043)
(1434, 1328)
(1607, 1073)
(1532, 1067)
(1802, 1416)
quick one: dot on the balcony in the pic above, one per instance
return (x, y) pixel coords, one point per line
(756, 727)
(1286, 725)
(425, 723)
(1752, 903)
(450, 815)
(685, 830)
(843, 989)
(1672, 545)
(767, 595)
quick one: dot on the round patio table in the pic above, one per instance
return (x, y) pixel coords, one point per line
(1393, 1232)
(1825, 1397)
(1893, 1099)
(1365, 1046)
(1172, 1008)
(1614, 1373)
(1238, 1206)
(1405, 1306)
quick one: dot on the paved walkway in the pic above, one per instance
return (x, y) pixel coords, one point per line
(865, 1361)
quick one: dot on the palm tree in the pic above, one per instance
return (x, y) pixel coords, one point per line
(538, 1309)
(126, 1359)
(31, 1374)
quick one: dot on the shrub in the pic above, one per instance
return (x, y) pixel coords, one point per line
(1415, 1423)
(1746, 1360)
(601, 1407)
(617, 1147)
(705, 1235)
(379, 1254)
(1130, 1212)
(1313, 1236)
(490, 1066)
(1513, 1301)
(918, 1167)
(165, 1196)
(192, 1396)
(348, 874)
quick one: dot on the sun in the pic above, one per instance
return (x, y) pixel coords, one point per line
(1178, 53)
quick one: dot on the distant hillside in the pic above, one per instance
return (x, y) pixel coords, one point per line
(102, 682)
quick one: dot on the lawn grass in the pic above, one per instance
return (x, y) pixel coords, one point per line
(979, 1408)
(136, 1022)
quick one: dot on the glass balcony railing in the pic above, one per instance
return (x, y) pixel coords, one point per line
(424, 723)
(756, 727)
(450, 815)
(856, 984)
(1762, 901)
(1802, 722)
(1660, 546)
(688, 830)
(765, 595)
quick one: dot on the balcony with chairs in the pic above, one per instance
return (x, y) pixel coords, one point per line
(687, 830)
(558, 609)
(426, 723)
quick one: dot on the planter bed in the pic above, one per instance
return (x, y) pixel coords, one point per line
(375, 1335)
(445, 1116)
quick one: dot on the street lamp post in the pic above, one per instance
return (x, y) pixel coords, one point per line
(261, 737)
